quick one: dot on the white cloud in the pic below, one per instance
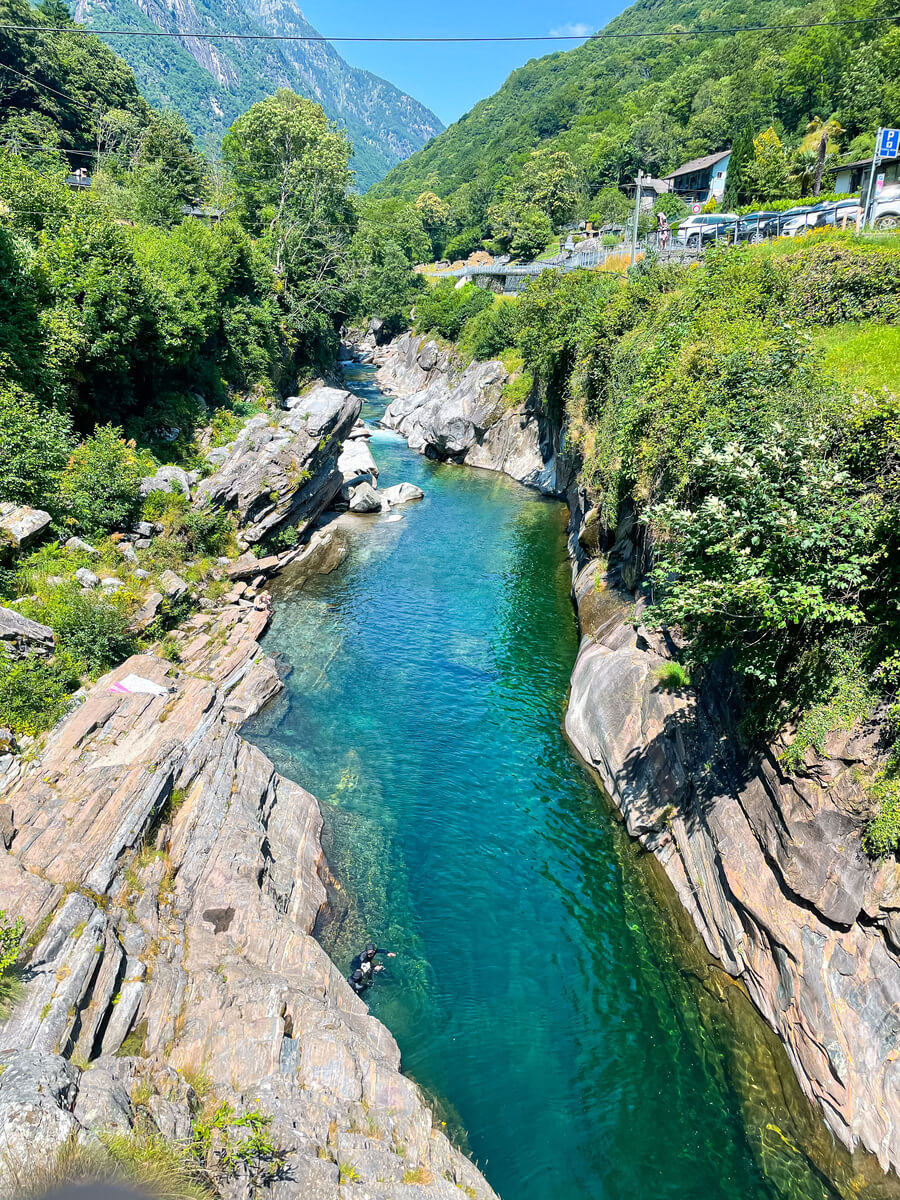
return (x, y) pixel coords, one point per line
(574, 29)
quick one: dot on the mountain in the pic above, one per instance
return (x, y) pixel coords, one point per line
(211, 83)
(656, 102)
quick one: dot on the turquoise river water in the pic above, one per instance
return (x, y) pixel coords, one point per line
(531, 995)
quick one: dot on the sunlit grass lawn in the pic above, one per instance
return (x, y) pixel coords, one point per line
(863, 355)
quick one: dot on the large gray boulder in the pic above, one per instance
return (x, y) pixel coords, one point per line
(21, 525)
(20, 636)
(356, 462)
(284, 470)
(364, 499)
(167, 479)
(401, 493)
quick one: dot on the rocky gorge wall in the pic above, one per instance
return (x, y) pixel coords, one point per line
(458, 413)
(768, 864)
(170, 881)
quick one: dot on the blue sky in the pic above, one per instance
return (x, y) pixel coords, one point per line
(449, 79)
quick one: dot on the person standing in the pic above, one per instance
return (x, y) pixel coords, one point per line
(662, 230)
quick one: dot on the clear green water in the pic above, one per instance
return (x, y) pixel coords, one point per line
(531, 994)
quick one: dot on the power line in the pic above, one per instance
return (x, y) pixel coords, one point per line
(38, 83)
(212, 35)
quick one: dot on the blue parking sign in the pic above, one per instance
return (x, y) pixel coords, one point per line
(889, 144)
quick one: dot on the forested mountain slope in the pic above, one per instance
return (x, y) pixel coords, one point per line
(655, 102)
(212, 83)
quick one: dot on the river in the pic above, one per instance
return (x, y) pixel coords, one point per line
(532, 993)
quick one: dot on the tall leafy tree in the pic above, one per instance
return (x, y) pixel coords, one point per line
(292, 174)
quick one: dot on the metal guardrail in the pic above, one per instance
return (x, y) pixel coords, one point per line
(516, 276)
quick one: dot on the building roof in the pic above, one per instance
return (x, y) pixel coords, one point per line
(699, 164)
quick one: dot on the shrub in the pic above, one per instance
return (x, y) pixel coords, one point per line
(35, 443)
(188, 530)
(841, 279)
(777, 551)
(34, 693)
(101, 484)
(672, 677)
(489, 332)
(90, 627)
(446, 308)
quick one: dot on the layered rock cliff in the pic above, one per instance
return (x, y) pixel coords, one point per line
(768, 864)
(459, 414)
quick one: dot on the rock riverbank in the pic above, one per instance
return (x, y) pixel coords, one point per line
(459, 414)
(768, 864)
(170, 881)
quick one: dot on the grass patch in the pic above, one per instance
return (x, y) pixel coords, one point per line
(418, 1175)
(143, 1161)
(861, 354)
(672, 677)
(850, 701)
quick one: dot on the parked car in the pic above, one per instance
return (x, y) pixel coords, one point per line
(813, 217)
(754, 227)
(704, 228)
(842, 214)
(886, 211)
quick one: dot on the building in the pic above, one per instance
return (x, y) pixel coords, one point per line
(78, 180)
(850, 177)
(701, 178)
(651, 190)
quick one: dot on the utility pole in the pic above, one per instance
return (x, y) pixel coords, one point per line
(868, 205)
(637, 213)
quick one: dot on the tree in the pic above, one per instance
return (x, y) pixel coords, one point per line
(35, 444)
(550, 182)
(101, 483)
(741, 157)
(435, 216)
(768, 176)
(823, 132)
(292, 174)
(610, 207)
(533, 233)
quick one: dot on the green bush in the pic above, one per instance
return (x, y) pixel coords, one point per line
(189, 530)
(35, 444)
(92, 629)
(446, 308)
(489, 332)
(34, 693)
(101, 484)
(777, 545)
(843, 279)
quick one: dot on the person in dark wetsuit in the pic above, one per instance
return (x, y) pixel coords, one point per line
(367, 966)
(358, 981)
